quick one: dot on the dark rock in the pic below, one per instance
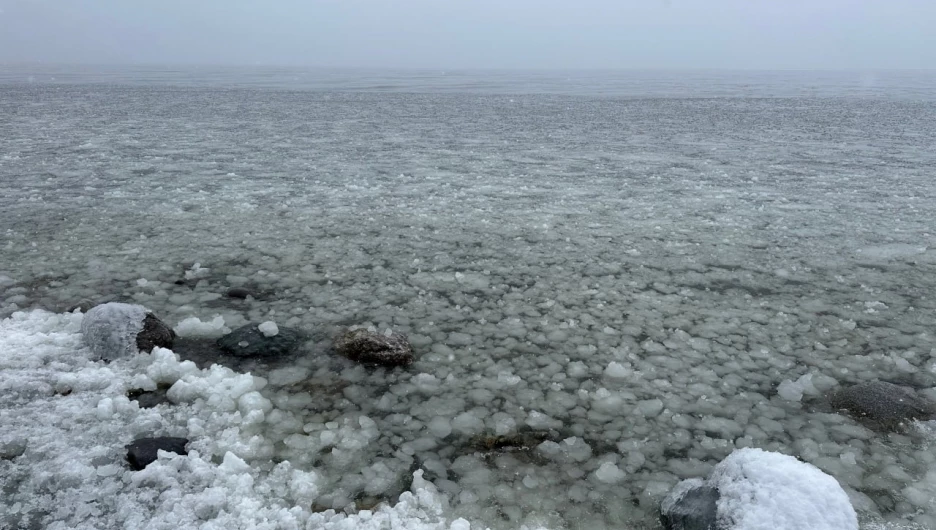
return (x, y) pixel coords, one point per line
(155, 333)
(238, 292)
(148, 399)
(143, 452)
(884, 405)
(115, 330)
(696, 509)
(375, 348)
(249, 341)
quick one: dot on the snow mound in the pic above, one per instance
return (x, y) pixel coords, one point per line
(766, 490)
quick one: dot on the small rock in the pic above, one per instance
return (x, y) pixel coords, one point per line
(11, 448)
(249, 341)
(883, 404)
(692, 509)
(148, 399)
(155, 333)
(238, 292)
(370, 347)
(143, 452)
(115, 330)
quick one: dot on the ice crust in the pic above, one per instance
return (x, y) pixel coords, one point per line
(111, 330)
(636, 278)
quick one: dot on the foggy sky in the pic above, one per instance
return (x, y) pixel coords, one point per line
(745, 34)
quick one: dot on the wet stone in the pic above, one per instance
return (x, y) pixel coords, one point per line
(883, 404)
(148, 399)
(371, 347)
(155, 333)
(696, 509)
(143, 452)
(238, 292)
(249, 341)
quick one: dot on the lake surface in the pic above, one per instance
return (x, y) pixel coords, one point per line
(624, 265)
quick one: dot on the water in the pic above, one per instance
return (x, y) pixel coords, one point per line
(712, 233)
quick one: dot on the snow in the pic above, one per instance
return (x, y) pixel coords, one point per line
(762, 489)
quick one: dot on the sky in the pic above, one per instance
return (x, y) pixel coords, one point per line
(451, 34)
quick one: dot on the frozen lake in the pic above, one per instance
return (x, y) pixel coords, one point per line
(624, 268)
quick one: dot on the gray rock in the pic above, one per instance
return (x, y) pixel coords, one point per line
(143, 451)
(375, 348)
(694, 509)
(249, 341)
(884, 405)
(148, 399)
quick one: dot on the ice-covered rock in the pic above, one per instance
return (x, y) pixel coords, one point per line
(363, 345)
(753, 489)
(251, 341)
(144, 451)
(883, 404)
(115, 330)
(692, 505)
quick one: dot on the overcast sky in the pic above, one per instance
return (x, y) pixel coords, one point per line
(748, 34)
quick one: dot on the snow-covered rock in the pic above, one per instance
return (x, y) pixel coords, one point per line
(756, 490)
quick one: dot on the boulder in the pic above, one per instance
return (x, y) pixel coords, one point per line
(250, 341)
(143, 451)
(754, 489)
(884, 405)
(365, 346)
(114, 330)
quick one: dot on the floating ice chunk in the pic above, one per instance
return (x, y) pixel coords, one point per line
(577, 369)
(268, 328)
(793, 391)
(616, 370)
(439, 426)
(426, 383)
(197, 271)
(538, 420)
(650, 408)
(467, 423)
(609, 473)
(507, 378)
(192, 327)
